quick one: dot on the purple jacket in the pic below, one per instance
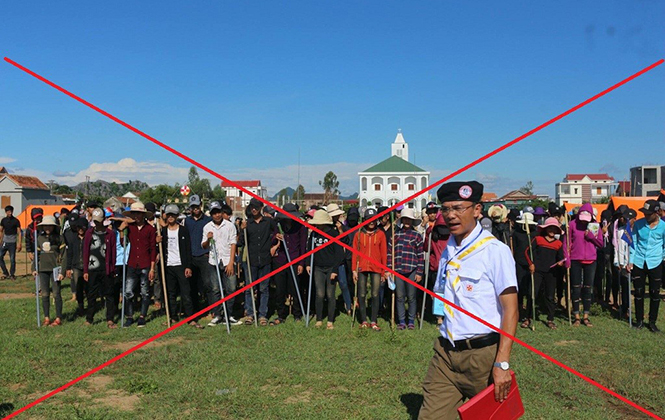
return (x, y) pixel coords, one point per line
(296, 242)
(583, 243)
(110, 250)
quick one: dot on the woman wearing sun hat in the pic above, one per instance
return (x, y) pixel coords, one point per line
(410, 263)
(547, 256)
(326, 265)
(51, 248)
(585, 237)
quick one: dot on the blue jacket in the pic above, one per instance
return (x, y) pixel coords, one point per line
(649, 244)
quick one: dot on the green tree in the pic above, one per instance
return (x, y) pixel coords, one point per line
(330, 186)
(218, 193)
(199, 186)
(62, 189)
(159, 194)
(299, 195)
(527, 188)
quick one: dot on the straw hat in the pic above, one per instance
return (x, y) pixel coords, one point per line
(48, 221)
(551, 221)
(138, 207)
(527, 218)
(321, 217)
(334, 210)
(498, 212)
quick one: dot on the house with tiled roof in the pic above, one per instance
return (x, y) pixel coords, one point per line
(20, 191)
(394, 179)
(237, 198)
(584, 188)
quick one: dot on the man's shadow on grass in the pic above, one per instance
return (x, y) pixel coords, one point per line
(6, 409)
(412, 402)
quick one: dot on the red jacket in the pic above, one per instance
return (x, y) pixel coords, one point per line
(438, 244)
(374, 245)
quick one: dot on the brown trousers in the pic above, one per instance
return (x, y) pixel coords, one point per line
(454, 376)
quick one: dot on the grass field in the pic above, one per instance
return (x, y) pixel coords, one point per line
(289, 372)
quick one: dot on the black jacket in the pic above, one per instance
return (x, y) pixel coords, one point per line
(259, 236)
(330, 256)
(184, 245)
(74, 250)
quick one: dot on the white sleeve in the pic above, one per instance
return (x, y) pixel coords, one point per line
(502, 271)
(204, 238)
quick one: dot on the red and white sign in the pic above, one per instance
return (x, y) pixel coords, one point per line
(184, 190)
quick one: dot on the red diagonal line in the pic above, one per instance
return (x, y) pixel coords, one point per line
(431, 186)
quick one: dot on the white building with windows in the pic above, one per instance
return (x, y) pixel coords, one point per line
(584, 188)
(394, 179)
(237, 199)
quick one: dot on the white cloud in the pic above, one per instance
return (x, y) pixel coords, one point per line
(4, 160)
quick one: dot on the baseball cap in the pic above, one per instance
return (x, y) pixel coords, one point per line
(194, 200)
(369, 213)
(172, 209)
(215, 206)
(97, 215)
(650, 207)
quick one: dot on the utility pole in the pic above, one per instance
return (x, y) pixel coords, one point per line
(87, 186)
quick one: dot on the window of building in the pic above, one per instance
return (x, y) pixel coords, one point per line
(565, 189)
(599, 191)
(393, 187)
(411, 187)
(650, 176)
(240, 193)
(575, 190)
(377, 187)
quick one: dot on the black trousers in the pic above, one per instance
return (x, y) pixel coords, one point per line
(175, 278)
(101, 285)
(640, 275)
(581, 285)
(524, 284)
(81, 288)
(544, 284)
(284, 286)
(198, 283)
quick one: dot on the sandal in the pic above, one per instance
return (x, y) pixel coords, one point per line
(375, 327)
(56, 323)
(196, 325)
(46, 322)
(401, 327)
(576, 323)
(111, 325)
(263, 322)
(363, 325)
(249, 320)
(551, 325)
(330, 326)
(587, 322)
(318, 324)
(276, 321)
(526, 323)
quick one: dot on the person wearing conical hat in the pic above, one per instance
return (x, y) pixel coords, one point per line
(51, 248)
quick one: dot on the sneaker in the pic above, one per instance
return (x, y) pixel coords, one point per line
(638, 325)
(215, 321)
(234, 321)
(653, 328)
(128, 322)
(141, 322)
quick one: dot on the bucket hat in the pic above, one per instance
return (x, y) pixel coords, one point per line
(334, 210)
(138, 207)
(321, 217)
(551, 221)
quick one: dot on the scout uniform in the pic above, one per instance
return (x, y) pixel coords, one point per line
(472, 275)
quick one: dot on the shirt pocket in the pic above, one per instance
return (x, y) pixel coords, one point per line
(470, 281)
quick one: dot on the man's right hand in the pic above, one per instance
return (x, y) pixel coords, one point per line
(85, 276)
(309, 270)
(69, 274)
(629, 268)
(355, 277)
(210, 235)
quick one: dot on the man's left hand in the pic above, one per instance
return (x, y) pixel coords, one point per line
(229, 269)
(502, 381)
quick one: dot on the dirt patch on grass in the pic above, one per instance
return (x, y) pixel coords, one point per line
(12, 296)
(300, 397)
(113, 398)
(126, 345)
(566, 342)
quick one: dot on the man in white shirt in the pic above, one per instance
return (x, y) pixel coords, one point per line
(477, 274)
(224, 233)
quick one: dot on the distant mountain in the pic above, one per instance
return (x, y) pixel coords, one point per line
(284, 191)
(102, 188)
(353, 196)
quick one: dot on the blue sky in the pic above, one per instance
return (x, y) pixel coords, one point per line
(243, 86)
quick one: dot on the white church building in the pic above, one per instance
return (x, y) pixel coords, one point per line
(394, 179)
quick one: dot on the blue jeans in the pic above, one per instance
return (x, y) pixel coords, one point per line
(344, 286)
(230, 284)
(404, 289)
(134, 277)
(264, 286)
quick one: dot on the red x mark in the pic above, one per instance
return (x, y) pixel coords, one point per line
(336, 239)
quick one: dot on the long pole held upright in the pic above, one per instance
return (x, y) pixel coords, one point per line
(39, 321)
(392, 244)
(429, 250)
(163, 275)
(309, 288)
(124, 276)
(630, 293)
(293, 272)
(221, 287)
(568, 300)
(533, 286)
(249, 275)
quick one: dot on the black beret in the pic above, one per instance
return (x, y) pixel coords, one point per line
(460, 191)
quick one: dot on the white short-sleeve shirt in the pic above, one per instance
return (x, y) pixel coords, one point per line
(484, 274)
(224, 235)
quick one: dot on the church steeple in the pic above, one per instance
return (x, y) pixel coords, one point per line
(400, 147)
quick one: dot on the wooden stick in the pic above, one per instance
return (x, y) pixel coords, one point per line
(392, 244)
(533, 285)
(568, 299)
(162, 271)
(429, 250)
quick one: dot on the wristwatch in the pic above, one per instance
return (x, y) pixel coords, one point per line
(502, 365)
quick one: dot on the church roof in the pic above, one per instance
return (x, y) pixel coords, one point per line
(399, 138)
(394, 164)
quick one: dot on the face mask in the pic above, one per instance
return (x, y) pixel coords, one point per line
(557, 236)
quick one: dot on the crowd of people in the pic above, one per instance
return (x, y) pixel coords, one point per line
(189, 260)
